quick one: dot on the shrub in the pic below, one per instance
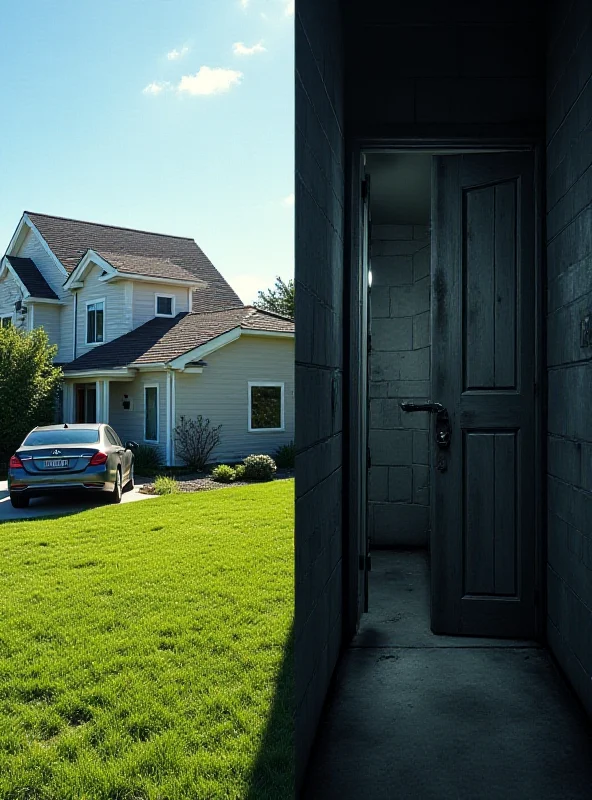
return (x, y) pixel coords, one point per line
(285, 456)
(223, 473)
(146, 459)
(195, 440)
(239, 472)
(259, 468)
(29, 386)
(164, 484)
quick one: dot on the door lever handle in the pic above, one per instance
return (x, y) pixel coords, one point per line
(443, 428)
(433, 408)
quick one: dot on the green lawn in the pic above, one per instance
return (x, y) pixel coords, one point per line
(146, 650)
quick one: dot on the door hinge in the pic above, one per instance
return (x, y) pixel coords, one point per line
(368, 458)
(369, 343)
(366, 563)
(364, 189)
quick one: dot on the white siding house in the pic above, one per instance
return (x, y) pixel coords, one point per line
(147, 332)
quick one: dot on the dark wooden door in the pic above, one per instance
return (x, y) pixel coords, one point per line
(483, 372)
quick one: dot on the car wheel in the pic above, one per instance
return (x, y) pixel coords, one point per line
(19, 501)
(130, 484)
(117, 489)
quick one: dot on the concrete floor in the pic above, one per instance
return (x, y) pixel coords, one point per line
(58, 506)
(415, 716)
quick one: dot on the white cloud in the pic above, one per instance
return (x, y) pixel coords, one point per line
(156, 87)
(241, 49)
(289, 9)
(209, 80)
(289, 201)
(175, 54)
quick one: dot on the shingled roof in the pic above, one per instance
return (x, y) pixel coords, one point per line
(31, 278)
(162, 340)
(151, 254)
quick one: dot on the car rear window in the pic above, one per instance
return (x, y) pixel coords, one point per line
(63, 436)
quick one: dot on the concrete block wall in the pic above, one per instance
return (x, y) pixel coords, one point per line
(399, 490)
(319, 361)
(569, 296)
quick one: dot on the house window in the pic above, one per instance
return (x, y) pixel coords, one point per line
(6, 322)
(95, 322)
(165, 305)
(151, 413)
(266, 406)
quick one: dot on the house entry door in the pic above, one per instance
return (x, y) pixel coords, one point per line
(483, 375)
(86, 402)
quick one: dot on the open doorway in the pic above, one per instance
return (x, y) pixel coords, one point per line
(453, 495)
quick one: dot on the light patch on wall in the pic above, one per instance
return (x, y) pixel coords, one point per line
(241, 49)
(289, 201)
(209, 80)
(289, 9)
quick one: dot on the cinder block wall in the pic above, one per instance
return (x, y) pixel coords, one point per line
(569, 296)
(399, 491)
(319, 361)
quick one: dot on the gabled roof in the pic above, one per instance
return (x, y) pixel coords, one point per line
(161, 340)
(149, 253)
(31, 278)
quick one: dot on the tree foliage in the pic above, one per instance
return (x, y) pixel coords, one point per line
(29, 385)
(279, 300)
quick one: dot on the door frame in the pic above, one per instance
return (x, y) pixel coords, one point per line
(355, 150)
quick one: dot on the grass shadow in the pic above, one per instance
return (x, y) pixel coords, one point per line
(273, 774)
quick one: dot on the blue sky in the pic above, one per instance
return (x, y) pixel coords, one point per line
(167, 115)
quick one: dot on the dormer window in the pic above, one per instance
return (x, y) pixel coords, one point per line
(164, 305)
(95, 321)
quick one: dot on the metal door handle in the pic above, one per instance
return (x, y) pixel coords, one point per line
(443, 429)
(433, 408)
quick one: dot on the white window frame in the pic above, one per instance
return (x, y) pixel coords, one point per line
(7, 316)
(277, 384)
(91, 303)
(157, 387)
(168, 297)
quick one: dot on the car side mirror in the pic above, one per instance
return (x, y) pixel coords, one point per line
(131, 446)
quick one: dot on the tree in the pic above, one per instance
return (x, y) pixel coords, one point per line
(29, 386)
(279, 300)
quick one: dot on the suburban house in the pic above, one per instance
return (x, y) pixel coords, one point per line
(147, 332)
(443, 279)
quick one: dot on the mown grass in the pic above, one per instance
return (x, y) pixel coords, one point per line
(145, 650)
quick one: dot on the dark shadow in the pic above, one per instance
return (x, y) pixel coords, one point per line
(273, 774)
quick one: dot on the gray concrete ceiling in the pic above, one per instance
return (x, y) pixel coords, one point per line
(400, 188)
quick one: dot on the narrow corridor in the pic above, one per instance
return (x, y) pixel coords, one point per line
(414, 715)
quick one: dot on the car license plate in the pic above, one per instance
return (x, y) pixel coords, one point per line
(55, 464)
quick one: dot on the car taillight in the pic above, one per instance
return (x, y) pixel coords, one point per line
(98, 459)
(15, 462)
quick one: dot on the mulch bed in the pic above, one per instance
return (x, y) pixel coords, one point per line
(200, 482)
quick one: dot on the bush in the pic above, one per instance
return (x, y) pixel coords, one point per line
(285, 456)
(223, 473)
(239, 472)
(259, 468)
(29, 386)
(195, 440)
(146, 459)
(164, 484)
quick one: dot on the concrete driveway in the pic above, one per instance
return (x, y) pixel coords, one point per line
(58, 506)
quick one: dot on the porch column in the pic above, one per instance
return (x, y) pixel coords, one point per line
(168, 419)
(68, 403)
(105, 401)
(98, 400)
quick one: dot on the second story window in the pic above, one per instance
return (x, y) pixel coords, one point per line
(6, 322)
(95, 322)
(165, 305)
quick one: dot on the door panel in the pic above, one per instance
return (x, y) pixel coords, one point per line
(483, 356)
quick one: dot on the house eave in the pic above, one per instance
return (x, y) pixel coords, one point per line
(114, 374)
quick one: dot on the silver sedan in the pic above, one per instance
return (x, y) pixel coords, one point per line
(68, 458)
